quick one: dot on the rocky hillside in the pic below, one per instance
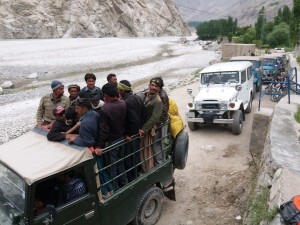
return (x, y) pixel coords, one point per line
(89, 18)
(244, 10)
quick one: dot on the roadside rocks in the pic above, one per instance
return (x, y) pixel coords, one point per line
(7, 85)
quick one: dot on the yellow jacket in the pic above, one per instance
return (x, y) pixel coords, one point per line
(176, 121)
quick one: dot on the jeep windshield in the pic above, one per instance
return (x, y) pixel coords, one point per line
(12, 195)
(270, 61)
(220, 77)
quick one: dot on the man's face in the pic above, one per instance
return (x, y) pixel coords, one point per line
(80, 110)
(59, 91)
(95, 103)
(90, 83)
(153, 88)
(73, 93)
(121, 92)
(113, 80)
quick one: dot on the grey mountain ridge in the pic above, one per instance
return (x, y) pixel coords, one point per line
(245, 11)
(24, 19)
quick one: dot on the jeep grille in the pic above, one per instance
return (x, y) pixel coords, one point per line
(210, 106)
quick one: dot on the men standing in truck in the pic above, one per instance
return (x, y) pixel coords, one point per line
(89, 122)
(153, 112)
(90, 88)
(111, 131)
(48, 102)
(134, 116)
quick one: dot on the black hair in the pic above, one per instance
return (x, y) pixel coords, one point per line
(70, 113)
(89, 76)
(84, 102)
(110, 90)
(160, 81)
(109, 76)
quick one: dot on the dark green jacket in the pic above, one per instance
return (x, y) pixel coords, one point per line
(153, 112)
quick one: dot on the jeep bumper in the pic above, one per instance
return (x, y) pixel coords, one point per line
(202, 120)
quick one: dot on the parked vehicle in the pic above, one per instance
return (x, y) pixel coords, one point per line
(225, 95)
(257, 69)
(270, 68)
(31, 194)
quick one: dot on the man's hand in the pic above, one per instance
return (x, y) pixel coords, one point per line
(142, 133)
(71, 137)
(127, 138)
(44, 127)
(98, 151)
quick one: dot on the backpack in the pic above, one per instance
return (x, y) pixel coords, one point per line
(290, 211)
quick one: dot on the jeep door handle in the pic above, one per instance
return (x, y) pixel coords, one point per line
(89, 214)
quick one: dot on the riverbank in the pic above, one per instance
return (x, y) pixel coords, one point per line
(134, 59)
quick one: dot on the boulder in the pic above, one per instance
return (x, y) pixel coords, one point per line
(7, 85)
(32, 76)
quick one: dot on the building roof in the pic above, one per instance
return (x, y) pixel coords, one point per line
(227, 66)
(33, 157)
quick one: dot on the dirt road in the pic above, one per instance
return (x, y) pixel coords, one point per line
(212, 189)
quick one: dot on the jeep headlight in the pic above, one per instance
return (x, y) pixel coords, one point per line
(223, 106)
(198, 106)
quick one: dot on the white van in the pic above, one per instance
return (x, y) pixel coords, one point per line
(225, 95)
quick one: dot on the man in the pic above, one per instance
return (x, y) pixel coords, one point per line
(48, 102)
(111, 130)
(89, 122)
(153, 113)
(96, 102)
(112, 78)
(90, 88)
(72, 187)
(73, 90)
(164, 98)
(134, 116)
(59, 126)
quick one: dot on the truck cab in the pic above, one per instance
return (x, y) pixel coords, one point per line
(226, 94)
(37, 175)
(257, 69)
(270, 67)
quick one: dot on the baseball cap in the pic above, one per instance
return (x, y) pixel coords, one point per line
(59, 110)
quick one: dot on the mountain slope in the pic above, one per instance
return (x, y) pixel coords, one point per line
(245, 11)
(89, 18)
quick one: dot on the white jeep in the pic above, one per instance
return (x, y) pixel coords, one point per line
(226, 94)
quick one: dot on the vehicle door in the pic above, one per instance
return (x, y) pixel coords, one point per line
(245, 86)
(82, 209)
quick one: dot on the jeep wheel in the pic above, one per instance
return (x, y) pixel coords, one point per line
(249, 107)
(149, 207)
(237, 124)
(181, 150)
(192, 125)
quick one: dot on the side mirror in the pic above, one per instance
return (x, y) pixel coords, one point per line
(14, 215)
(238, 87)
(190, 92)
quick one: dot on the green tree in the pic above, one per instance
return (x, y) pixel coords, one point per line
(213, 29)
(295, 24)
(260, 24)
(279, 36)
(278, 17)
(249, 36)
(286, 15)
